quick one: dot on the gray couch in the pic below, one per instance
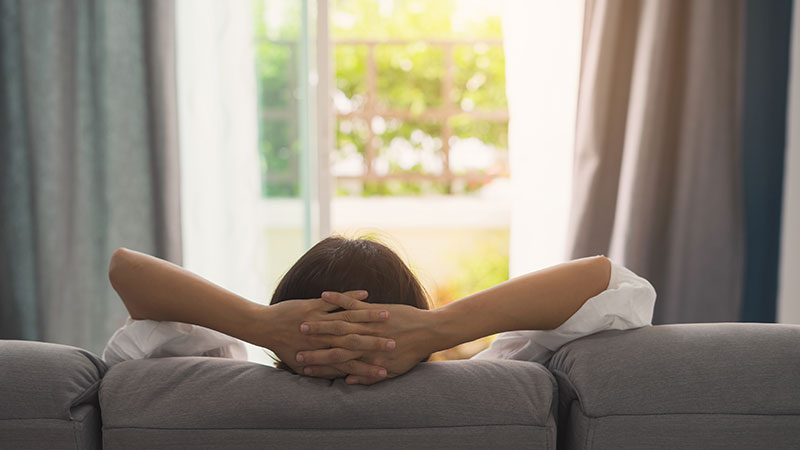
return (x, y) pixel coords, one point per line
(703, 386)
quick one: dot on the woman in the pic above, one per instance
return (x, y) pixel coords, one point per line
(381, 331)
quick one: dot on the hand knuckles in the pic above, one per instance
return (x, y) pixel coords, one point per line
(352, 341)
(339, 328)
(337, 355)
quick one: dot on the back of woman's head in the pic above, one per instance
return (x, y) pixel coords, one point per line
(341, 264)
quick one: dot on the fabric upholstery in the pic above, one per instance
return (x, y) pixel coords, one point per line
(162, 403)
(49, 396)
(479, 437)
(682, 431)
(675, 386)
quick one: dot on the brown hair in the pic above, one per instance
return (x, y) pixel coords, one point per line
(341, 264)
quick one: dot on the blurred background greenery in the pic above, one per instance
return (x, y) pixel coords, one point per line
(423, 99)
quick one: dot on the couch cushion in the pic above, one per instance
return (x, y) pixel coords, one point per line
(683, 386)
(49, 396)
(209, 403)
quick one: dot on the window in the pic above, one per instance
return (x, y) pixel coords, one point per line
(418, 116)
(418, 154)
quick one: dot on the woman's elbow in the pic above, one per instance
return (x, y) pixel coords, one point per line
(120, 275)
(604, 265)
(116, 268)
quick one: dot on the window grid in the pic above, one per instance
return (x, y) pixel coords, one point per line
(442, 115)
(371, 110)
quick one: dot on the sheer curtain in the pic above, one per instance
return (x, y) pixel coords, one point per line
(219, 145)
(542, 43)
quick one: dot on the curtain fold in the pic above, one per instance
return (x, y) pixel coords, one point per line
(657, 169)
(88, 159)
(160, 45)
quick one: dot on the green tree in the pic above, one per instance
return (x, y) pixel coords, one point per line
(409, 79)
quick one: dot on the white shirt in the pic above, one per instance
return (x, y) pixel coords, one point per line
(627, 303)
(141, 339)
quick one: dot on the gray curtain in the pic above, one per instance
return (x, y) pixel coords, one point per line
(88, 159)
(657, 171)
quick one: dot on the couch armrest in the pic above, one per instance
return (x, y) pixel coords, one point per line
(49, 396)
(693, 387)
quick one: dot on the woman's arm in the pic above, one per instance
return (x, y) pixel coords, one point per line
(152, 288)
(540, 300)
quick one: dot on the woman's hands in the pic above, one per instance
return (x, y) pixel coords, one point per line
(278, 327)
(541, 300)
(416, 333)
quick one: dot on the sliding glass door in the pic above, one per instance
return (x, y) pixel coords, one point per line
(291, 123)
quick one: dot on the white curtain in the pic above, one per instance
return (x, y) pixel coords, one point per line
(217, 112)
(542, 43)
(789, 282)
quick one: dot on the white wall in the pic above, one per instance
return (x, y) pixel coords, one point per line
(789, 277)
(542, 43)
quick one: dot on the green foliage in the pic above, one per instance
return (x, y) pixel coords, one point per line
(484, 267)
(351, 71)
(481, 76)
(495, 133)
(409, 79)
(279, 159)
(409, 19)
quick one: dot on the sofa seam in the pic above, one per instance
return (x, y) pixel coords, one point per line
(15, 419)
(559, 375)
(553, 433)
(90, 395)
(75, 435)
(588, 442)
(797, 414)
(540, 427)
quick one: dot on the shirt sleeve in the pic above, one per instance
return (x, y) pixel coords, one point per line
(141, 339)
(627, 303)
